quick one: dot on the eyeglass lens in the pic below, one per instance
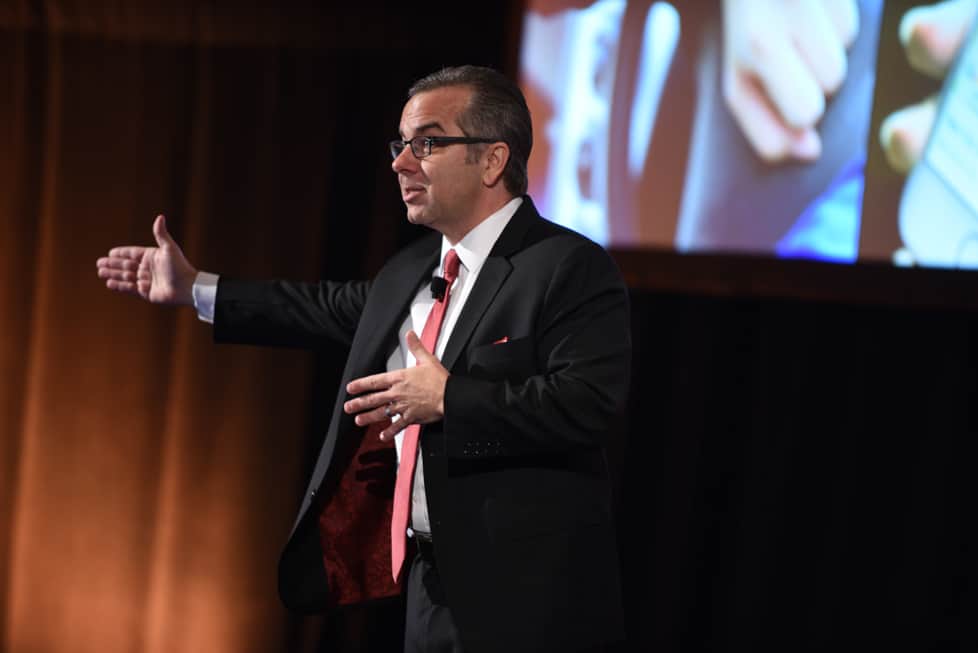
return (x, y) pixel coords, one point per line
(420, 147)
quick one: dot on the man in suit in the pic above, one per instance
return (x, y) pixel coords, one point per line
(509, 517)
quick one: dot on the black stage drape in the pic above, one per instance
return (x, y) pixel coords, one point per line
(799, 475)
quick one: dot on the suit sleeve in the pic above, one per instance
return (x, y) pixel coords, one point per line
(287, 314)
(582, 349)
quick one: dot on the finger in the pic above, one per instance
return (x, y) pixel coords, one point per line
(844, 15)
(417, 347)
(904, 134)
(160, 233)
(368, 401)
(819, 44)
(122, 286)
(128, 252)
(767, 134)
(373, 383)
(932, 35)
(788, 81)
(395, 428)
(116, 275)
(375, 416)
(110, 263)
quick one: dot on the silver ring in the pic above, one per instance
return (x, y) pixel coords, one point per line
(387, 410)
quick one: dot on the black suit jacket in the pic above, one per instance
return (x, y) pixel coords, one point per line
(515, 474)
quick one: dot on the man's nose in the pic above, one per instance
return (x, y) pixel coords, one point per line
(405, 161)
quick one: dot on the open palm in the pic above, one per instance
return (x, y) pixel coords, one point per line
(160, 275)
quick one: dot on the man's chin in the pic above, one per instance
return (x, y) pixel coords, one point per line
(416, 215)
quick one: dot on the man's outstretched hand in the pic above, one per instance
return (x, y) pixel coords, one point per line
(161, 275)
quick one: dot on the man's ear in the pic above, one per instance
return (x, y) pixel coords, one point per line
(496, 157)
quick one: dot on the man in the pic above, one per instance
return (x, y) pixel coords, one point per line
(509, 501)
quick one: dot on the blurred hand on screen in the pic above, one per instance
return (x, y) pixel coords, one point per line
(782, 59)
(931, 37)
(161, 275)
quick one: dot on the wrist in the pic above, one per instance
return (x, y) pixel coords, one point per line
(185, 292)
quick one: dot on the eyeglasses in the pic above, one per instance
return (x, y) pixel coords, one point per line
(421, 145)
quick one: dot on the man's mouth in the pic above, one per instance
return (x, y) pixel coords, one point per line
(411, 193)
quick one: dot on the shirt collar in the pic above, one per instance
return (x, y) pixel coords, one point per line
(474, 248)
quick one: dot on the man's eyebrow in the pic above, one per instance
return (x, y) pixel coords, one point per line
(425, 127)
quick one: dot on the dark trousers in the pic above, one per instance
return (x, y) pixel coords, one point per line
(429, 627)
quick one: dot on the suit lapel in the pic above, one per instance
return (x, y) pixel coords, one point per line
(491, 278)
(394, 295)
(494, 273)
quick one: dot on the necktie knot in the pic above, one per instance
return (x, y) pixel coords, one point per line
(449, 267)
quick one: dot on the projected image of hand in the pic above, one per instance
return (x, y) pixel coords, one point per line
(782, 61)
(931, 37)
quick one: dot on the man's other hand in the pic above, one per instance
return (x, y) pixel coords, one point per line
(415, 393)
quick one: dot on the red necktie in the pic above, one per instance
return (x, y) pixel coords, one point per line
(409, 446)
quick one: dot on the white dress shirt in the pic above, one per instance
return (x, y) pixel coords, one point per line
(472, 252)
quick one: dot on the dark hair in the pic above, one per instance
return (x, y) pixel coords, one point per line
(497, 109)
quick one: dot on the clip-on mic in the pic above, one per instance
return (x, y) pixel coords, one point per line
(438, 288)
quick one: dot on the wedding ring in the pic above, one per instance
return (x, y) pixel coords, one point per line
(387, 410)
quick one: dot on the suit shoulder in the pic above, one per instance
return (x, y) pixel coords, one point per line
(562, 242)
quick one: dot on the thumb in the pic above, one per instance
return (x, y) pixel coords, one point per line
(417, 347)
(160, 232)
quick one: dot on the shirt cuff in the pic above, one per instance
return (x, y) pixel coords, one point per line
(205, 295)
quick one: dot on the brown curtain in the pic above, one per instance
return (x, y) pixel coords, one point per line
(148, 478)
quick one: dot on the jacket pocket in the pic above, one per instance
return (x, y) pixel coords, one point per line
(514, 360)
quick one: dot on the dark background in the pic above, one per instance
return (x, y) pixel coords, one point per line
(796, 472)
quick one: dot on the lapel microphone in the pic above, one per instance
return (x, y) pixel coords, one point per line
(438, 287)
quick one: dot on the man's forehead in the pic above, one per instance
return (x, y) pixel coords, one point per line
(433, 111)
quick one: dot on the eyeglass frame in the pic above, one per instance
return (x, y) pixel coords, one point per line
(399, 145)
